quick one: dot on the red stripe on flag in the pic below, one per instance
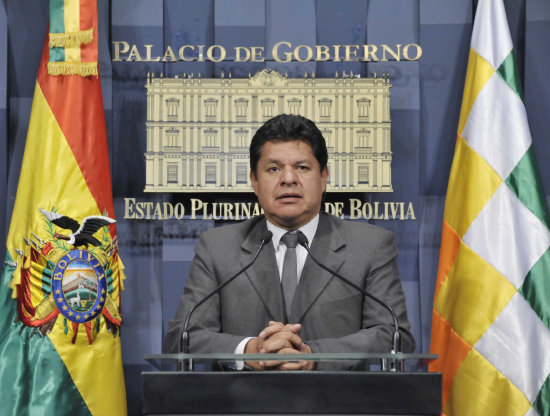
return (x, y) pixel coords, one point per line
(77, 105)
(88, 19)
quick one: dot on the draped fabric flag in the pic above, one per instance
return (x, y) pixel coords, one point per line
(60, 288)
(491, 314)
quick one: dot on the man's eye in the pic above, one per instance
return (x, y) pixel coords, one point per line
(273, 169)
(303, 167)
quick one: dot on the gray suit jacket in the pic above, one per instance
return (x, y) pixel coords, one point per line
(334, 317)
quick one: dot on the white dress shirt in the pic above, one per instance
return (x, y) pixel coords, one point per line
(309, 231)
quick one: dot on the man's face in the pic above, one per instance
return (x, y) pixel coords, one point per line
(289, 183)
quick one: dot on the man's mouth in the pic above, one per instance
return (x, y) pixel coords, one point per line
(288, 196)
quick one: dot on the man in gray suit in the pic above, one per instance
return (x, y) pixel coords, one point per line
(260, 312)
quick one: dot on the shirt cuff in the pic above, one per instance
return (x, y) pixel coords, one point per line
(239, 365)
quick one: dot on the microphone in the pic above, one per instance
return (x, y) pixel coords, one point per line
(184, 342)
(396, 341)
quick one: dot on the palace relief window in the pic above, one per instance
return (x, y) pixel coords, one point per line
(268, 104)
(210, 174)
(325, 105)
(172, 105)
(294, 105)
(210, 138)
(172, 173)
(242, 173)
(171, 139)
(210, 109)
(363, 174)
(241, 108)
(240, 138)
(363, 106)
(329, 138)
(363, 140)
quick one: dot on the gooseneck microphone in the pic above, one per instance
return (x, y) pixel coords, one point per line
(396, 341)
(184, 342)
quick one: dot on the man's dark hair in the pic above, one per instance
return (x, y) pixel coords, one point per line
(288, 127)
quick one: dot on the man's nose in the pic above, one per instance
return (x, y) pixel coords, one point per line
(288, 176)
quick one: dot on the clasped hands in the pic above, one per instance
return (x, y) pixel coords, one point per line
(278, 338)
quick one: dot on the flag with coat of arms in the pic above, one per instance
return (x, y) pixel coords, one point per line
(60, 289)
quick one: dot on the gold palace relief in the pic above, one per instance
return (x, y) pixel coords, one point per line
(199, 129)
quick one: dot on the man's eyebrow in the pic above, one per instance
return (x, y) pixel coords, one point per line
(298, 162)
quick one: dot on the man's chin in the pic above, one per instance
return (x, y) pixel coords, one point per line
(289, 219)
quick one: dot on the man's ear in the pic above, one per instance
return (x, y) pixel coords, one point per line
(324, 178)
(253, 180)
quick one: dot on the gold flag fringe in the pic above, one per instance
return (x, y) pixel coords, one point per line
(71, 39)
(84, 69)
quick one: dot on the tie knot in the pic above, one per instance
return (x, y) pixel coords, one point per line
(290, 240)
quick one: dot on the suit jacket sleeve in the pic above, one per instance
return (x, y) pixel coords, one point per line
(205, 324)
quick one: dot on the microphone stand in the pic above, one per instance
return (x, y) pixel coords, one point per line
(396, 339)
(184, 341)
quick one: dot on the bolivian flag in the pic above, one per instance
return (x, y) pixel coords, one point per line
(60, 288)
(491, 317)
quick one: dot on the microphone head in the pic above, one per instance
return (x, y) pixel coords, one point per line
(302, 239)
(266, 236)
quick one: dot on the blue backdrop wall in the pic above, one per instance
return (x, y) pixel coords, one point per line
(425, 105)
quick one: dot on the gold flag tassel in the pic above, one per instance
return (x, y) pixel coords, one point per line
(71, 39)
(83, 69)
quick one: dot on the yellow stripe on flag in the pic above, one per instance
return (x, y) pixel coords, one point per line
(478, 73)
(74, 199)
(100, 390)
(468, 194)
(479, 389)
(72, 25)
(71, 195)
(463, 299)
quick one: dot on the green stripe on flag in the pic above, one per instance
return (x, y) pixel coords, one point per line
(542, 403)
(57, 55)
(57, 16)
(57, 25)
(43, 386)
(536, 287)
(509, 73)
(526, 184)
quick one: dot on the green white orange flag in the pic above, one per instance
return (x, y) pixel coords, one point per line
(491, 317)
(60, 287)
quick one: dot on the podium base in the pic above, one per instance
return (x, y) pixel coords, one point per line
(299, 393)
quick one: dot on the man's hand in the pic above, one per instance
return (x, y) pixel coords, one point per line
(281, 339)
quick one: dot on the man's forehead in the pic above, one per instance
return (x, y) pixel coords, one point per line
(279, 150)
(279, 143)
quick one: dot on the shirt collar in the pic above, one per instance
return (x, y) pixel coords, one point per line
(308, 229)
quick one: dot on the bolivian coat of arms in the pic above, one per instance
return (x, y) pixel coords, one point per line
(72, 275)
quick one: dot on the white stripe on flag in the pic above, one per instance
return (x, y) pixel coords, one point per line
(497, 126)
(517, 345)
(491, 36)
(531, 412)
(508, 236)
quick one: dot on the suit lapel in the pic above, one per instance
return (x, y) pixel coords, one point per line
(263, 274)
(314, 279)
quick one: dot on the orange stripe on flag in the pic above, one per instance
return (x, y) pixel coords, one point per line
(452, 350)
(450, 242)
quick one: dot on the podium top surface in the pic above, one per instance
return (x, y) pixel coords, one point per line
(369, 359)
